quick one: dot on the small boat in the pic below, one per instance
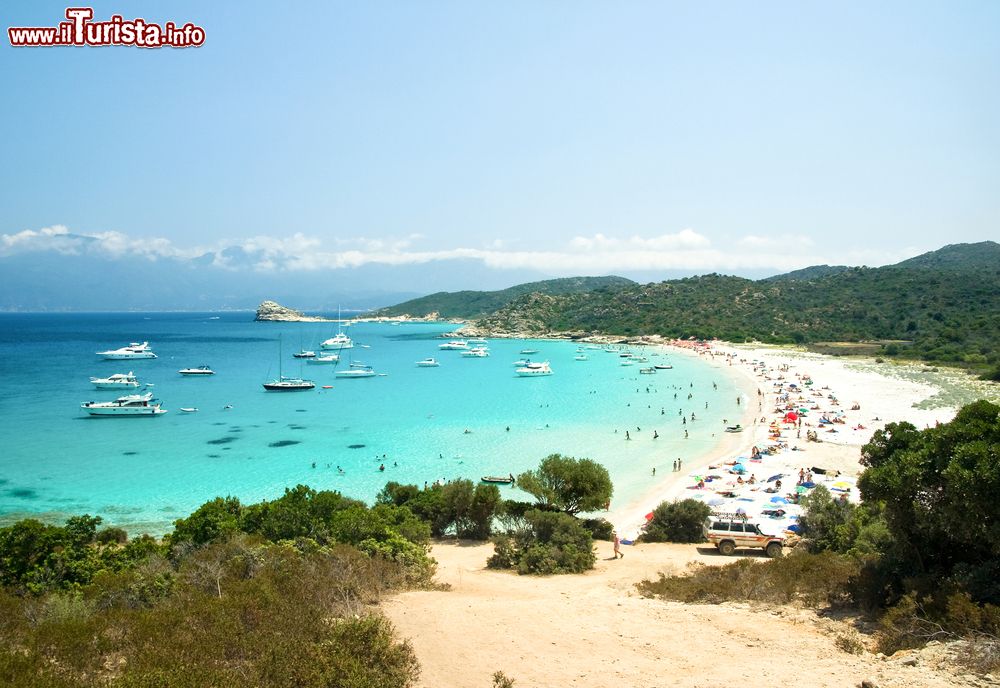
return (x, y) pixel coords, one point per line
(734, 428)
(581, 357)
(663, 367)
(287, 384)
(325, 359)
(534, 370)
(338, 342)
(522, 362)
(498, 480)
(648, 371)
(356, 371)
(527, 352)
(327, 386)
(189, 409)
(304, 354)
(454, 345)
(116, 381)
(477, 352)
(130, 405)
(200, 370)
(428, 363)
(133, 350)
(478, 341)
(627, 362)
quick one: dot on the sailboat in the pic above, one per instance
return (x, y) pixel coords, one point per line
(287, 384)
(339, 341)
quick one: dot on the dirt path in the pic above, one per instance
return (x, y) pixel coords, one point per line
(596, 631)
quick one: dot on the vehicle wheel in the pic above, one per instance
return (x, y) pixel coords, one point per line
(773, 550)
(727, 547)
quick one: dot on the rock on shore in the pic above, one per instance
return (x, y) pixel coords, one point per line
(271, 311)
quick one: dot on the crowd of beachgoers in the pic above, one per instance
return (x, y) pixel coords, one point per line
(798, 432)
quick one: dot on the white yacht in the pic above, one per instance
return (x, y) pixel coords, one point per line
(528, 351)
(476, 352)
(454, 344)
(200, 370)
(133, 350)
(478, 341)
(116, 381)
(356, 371)
(129, 405)
(428, 363)
(534, 370)
(338, 342)
(304, 353)
(324, 359)
(581, 357)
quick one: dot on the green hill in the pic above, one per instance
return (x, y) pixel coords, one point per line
(943, 306)
(473, 304)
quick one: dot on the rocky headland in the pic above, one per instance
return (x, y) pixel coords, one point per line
(275, 312)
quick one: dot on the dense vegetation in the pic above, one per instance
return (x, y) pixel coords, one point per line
(680, 521)
(474, 304)
(922, 551)
(942, 306)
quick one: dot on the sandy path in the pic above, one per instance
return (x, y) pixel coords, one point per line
(596, 631)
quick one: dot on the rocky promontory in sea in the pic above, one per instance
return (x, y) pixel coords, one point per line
(271, 311)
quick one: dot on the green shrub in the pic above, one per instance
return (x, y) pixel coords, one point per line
(812, 579)
(677, 522)
(545, 543)
(568, 484)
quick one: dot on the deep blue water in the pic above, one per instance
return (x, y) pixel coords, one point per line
(142, 473)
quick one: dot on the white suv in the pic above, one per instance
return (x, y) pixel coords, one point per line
(729, 532)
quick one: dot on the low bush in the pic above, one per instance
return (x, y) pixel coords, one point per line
(545, 543)
(677, 522)
(813, 579)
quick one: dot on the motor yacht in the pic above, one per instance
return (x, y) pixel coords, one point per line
(337, 342)
(356, 371)
(116, 381)
(324, 359)
(133, 350)
(534, 370)
(454, 344)
(476, 352)
(200, 370)
(127, 406)
(428, 363)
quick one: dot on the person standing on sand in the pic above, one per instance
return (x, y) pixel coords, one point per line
(618, 545)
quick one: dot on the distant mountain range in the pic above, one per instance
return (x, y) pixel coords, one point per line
(943, 305)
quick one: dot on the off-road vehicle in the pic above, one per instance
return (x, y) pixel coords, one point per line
(729, 531)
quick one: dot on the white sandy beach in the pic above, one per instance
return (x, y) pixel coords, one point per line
(595, 630)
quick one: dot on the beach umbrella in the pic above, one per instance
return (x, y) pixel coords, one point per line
(842, 485)
(791, 416)
(649, 516)
(779, 476)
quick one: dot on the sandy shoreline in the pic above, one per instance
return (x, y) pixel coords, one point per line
(594, 630)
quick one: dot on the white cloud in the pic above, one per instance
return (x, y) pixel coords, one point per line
(686, 250)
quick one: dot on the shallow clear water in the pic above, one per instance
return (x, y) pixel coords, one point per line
(142, 473)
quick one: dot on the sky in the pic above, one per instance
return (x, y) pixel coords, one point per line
(561, 137)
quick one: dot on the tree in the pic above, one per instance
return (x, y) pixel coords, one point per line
(546, 542)
(677, 522)
(939, 491)
(568, 484)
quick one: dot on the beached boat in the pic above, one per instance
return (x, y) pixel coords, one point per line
(534, 370)
(134, 350)
(117, 381)
(454, 345)
(129, 406)
(428, 363)
(498, 480)
(200, 370)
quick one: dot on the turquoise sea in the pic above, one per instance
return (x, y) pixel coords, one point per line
(468, 418)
